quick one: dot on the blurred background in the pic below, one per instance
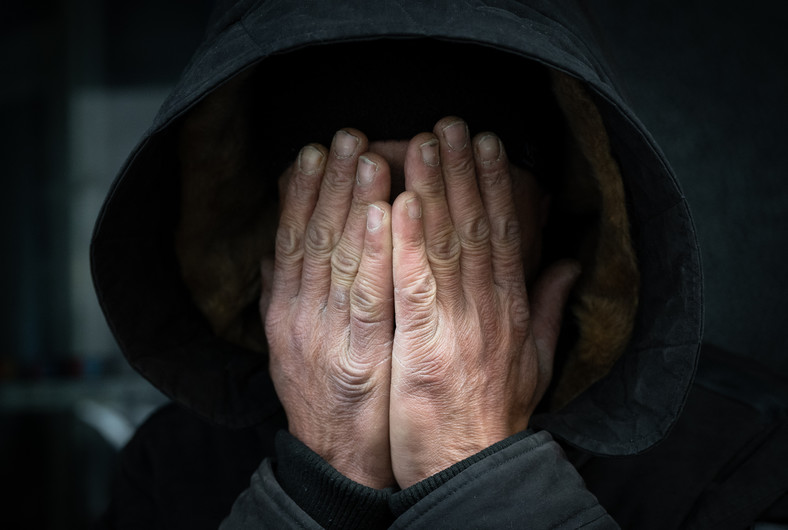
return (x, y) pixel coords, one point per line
(82, 80)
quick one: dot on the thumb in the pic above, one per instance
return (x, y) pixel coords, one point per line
(267, 281)
(549, 297)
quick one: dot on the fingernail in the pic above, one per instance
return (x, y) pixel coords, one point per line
(414, 208)
(456, 135)
(489, 148)
(366, 171)
(429, 153)
(374, 217)
(309, 160)
(345, 144)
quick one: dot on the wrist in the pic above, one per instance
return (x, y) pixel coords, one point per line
(432, 443)
(405, 499)
(366, 462)
(331, 499)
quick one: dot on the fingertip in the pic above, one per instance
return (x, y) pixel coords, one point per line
(557, 281)
(299, 185)
(568, 271)
(489, 149)
(422, 155)
(376, 159)
(405, 200)
(377, 239)
(373, 178)
(376, 215)
(406, 221)
(413, 208)
(267, 281)
(455, 135)
(311, 159)
(348, 142)
(550, 296)
(446, 122)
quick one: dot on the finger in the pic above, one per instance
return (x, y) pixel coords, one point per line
(423, 177)
(415, 310)
(495, 183)
(297, 207)
(548, 299)
(328, 219)
(465, 204)
(372, 184)
(372, 293)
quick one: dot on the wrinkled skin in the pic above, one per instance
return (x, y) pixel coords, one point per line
(402, 338)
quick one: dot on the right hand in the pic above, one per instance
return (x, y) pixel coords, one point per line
(473, 350)
(329, 313)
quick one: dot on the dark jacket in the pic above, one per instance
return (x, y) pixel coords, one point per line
(176, 253)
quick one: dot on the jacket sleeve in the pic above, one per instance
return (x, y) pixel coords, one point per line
(299, 489)
(528, 483)
(265, 505)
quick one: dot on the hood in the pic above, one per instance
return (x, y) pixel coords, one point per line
(177, 247)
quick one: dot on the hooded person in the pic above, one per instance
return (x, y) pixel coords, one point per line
(231, 212)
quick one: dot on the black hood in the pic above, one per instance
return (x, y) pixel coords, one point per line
(140, 245)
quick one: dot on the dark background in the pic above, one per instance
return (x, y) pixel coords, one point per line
(81, 80)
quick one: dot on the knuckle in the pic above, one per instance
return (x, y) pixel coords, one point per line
(520, 311)
(432, 186)
(462, 166)
(367, 305)
(493, 174)
(340, 180)
(444, 250)
(289, 243)
(419, 292)
(320, 239)
(344, 264)
(367, 301)
(426, 376)
(474, 232)
(351, 381)
(303, 187)
(508, 230)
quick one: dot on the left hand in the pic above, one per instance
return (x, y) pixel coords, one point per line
(328, 307)
(473, 353)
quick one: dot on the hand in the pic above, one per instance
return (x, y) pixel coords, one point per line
(329, 309)
(472, 354)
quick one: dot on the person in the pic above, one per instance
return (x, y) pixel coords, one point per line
(410, 264)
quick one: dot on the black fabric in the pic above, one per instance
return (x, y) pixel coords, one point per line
(488, 494)
(331, 499)
(529, 484)
(724, 465)
(179, 472)
(334, 501)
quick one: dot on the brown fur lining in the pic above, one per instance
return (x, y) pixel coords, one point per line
(606, 297)
(227, 224)
(228, 219)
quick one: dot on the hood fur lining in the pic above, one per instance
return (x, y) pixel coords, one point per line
(606, 298)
